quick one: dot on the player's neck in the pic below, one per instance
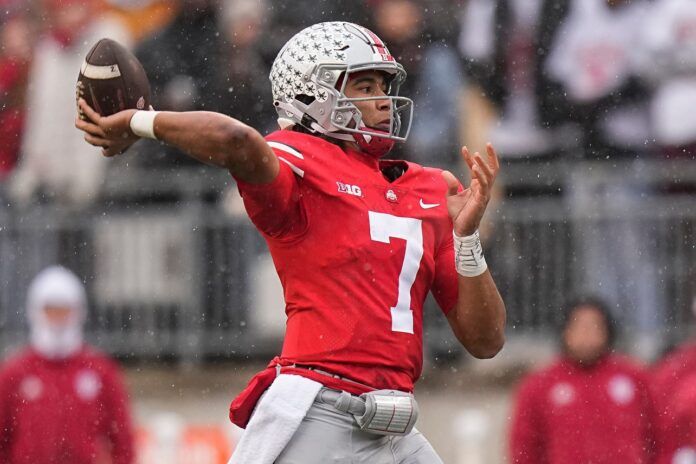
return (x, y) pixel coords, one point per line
(347, 145)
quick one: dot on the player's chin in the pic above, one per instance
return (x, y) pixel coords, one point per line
(385, 128)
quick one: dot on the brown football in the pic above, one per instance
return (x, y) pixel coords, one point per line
(112, 79)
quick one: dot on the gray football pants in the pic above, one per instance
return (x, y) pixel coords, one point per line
(329, 436)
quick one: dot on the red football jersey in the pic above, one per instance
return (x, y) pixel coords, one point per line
(357, 255)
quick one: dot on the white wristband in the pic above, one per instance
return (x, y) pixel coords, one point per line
(468, 255)
(142, 124)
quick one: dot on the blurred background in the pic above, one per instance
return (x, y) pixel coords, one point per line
(590, 105)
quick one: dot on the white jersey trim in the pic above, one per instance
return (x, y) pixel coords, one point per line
(294, 168)
(287, 149)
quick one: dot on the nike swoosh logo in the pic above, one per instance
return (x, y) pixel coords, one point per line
(428, 205)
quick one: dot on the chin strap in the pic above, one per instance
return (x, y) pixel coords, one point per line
(373, 145)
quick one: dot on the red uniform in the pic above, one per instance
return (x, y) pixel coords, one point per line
(674, 389)
(567, 413)
(357, 255)
(70, 411)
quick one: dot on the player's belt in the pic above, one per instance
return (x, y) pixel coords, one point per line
(384, 412)
(342, 400)
(340, 382)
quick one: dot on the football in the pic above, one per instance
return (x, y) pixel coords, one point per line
(112, 79)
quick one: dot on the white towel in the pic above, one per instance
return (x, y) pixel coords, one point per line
(275, 419)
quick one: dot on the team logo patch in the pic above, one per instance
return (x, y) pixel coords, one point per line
(428, 205)
(391, 196)
(31, 388)
(87, 385)
(349, 189)
(562, 394)
(621, 389)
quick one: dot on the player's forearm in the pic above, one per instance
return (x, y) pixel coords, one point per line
(478, 319)
(219, 140)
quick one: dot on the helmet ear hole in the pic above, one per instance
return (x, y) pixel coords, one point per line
(339, 81)
(306, 99)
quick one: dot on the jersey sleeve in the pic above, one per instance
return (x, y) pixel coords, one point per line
(276, 208)
(445, 287)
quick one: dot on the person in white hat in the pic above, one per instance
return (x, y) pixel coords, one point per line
(62, 401)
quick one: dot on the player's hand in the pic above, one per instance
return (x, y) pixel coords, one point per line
(466, 208)
(111, 133)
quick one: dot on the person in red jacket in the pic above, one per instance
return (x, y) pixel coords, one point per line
(673, 385)
(589, 406)
(62, 402)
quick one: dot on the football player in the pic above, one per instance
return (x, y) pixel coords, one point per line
(358, 241)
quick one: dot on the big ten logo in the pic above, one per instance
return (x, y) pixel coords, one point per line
(184, 444)
(349, 189)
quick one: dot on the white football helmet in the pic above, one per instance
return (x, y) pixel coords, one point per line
(309, 76)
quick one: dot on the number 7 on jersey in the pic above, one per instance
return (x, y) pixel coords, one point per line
(384, 226)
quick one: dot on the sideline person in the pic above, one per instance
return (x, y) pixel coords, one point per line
(61, 401)
(590, 405)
